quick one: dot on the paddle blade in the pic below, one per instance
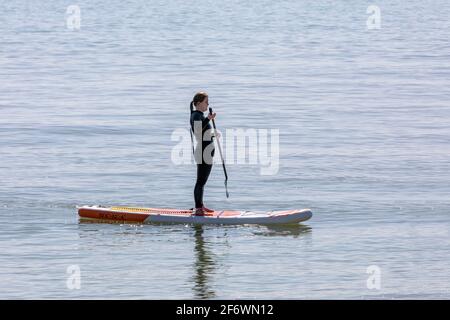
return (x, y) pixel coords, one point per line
(226, 189)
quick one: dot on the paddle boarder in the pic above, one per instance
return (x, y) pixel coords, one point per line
(204, 152)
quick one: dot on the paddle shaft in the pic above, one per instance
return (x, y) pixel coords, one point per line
(220, 152)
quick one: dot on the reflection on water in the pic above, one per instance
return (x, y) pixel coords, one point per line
(204, 262)
(294, 230)
(204, 265)
(98, 221)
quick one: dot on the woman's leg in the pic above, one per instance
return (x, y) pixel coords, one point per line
(203, 171)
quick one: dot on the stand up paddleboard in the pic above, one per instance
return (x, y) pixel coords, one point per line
(154, 215)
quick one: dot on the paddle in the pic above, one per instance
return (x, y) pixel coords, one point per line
(221, 156)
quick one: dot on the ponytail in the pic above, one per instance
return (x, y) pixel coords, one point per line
(192, 139)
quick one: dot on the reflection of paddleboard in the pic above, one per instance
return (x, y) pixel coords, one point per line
(149, 215)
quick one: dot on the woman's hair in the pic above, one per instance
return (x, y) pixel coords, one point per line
(199, 97)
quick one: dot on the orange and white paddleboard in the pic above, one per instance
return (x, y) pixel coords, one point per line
(155, 215)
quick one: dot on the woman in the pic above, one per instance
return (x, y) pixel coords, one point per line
(201, 127)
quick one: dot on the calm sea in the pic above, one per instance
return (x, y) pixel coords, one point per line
(87, 116)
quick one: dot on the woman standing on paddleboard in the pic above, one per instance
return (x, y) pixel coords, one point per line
(204, 151)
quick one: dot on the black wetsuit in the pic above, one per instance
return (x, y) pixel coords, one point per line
(203, 159)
